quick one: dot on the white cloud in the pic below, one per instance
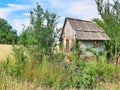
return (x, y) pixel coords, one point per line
(56, 3)
(77, 7)
(17, 6)
(18, 24)
(5, 11)
(84, 9)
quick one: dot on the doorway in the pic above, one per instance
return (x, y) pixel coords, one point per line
(67, 45)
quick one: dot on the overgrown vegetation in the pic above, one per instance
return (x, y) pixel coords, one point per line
(76, 74)
(7, 34)
(38, 39)
(110, 14)
(38, 63)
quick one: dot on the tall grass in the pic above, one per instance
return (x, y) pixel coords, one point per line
(8, 82)
(36, 76)
(27, 74)
(44, 74)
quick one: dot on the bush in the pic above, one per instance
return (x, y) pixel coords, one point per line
(45, 73)
(84, 74)
(59, 57)
(107, 72)
(16, 67)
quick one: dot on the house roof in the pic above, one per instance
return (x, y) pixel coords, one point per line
(87, 30)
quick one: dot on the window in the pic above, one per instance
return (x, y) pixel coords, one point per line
(67, 45)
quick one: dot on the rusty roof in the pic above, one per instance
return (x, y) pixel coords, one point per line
(87, 30)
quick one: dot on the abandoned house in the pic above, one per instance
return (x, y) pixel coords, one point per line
(86, 33)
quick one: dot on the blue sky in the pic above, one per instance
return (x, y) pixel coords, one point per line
(16, 12)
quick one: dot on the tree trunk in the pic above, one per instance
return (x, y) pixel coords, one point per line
(116, 54)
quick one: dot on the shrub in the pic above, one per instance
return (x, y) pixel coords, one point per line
(84, 74)
(19, 54)
(81, 73)
(59, 57)
(107, 72)
(16, 67)
(45, 73)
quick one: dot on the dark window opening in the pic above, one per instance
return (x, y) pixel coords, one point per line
(67, 45)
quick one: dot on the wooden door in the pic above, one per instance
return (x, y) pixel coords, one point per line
(67, 45)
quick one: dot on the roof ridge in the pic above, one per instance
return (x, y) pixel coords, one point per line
(78, 19)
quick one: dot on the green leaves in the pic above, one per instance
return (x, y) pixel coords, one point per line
(110, 13)
(7, 34)
(40, 36)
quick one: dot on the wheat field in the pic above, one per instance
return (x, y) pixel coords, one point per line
(5, 51)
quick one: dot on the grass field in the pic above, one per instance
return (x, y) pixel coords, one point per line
(5, 51)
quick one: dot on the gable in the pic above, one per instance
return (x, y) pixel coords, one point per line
(67, 31)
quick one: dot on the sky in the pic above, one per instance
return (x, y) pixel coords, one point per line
(16, 12)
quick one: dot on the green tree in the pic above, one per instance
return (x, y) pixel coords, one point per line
(110, 13)
(7, 34)
(41, 34)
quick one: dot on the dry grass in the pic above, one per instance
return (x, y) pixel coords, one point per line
(5, 51)
(10, 83)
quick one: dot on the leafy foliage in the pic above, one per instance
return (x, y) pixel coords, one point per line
(41, 34)
(84, 74)
(110, 13)
(7, 34)
(76, 74)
